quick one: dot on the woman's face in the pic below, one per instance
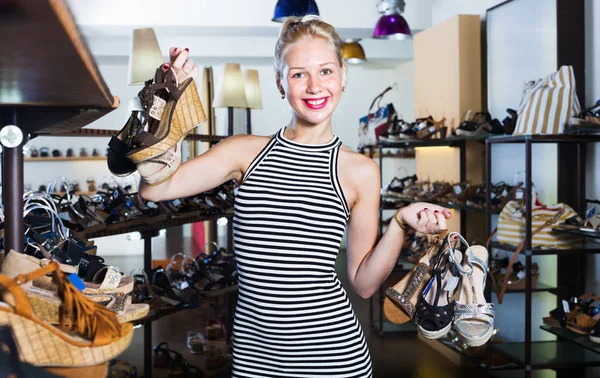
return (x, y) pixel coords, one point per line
(312, 79)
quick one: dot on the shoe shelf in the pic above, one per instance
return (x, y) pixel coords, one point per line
(586, 234)
(109, 133)
(66, 158)
(560, 138)
(539, 288)
(565, 334)
(394, 203)
(149, 225)
(403, 154)
(560, 354)
(478, 360)
(586, 248)
(403, 143)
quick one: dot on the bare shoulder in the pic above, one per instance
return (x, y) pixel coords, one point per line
(361, 166)
(358, 174)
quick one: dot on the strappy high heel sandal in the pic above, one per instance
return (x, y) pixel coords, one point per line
(181, 114)
(474, 317)
(88, 334)
(399, 306)
(435, 309)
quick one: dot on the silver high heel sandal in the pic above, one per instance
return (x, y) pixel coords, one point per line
(473, 316)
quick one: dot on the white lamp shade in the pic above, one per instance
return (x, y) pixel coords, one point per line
(252, 85)
(145, 56)
(231, 92)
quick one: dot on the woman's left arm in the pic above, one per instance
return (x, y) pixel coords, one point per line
(369, 261)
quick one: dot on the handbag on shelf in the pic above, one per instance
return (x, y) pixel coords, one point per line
(511, 230)
(548, 104)
(375, 123)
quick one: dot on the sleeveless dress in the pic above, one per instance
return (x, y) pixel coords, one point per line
(293, 318)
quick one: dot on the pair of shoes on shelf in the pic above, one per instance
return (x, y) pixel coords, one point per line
(397, 186)
(172, 109)
(167, 358)
(583, 316)
(445, 289)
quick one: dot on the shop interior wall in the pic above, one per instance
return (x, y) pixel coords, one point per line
(506, 158)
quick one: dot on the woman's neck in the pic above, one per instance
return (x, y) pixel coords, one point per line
(302, 132)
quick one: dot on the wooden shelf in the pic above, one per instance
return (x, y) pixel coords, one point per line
(150, 225)
(109, 133)
(66, 158)
(40, 94)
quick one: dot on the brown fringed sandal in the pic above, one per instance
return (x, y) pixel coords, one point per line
(399, 306)
(179, 115)
(88, 333)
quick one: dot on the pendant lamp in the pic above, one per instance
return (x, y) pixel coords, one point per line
(297, 8)
(391, 25)
(353, 52)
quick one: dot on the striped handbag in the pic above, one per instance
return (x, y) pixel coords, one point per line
(511, 230)
(511, 225)
(548, 104)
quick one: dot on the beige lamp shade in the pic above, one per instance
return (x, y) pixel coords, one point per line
(231, 92)
(145, 56)
(252, 86)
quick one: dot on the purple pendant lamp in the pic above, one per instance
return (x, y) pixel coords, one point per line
(391, 25)
(298, 8)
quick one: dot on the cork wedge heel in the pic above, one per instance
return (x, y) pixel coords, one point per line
(88, 334)
(179, 115)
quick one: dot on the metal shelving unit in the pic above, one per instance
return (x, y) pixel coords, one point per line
(561, 354)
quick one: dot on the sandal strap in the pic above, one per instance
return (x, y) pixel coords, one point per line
(484, 312)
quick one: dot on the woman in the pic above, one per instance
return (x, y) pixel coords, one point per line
(299, 191)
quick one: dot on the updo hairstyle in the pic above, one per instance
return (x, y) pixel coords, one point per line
(297, 29)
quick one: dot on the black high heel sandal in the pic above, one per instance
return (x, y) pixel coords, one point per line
(435, 308)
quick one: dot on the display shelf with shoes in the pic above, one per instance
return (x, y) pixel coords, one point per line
(565, 334)
(65, 158)
(559, 354)
(109, 133)
(586, 248)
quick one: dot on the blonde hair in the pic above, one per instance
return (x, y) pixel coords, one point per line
(296, 29)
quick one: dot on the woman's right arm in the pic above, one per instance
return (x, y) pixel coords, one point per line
(225, 161)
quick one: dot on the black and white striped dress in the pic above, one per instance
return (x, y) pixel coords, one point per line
(293, 318)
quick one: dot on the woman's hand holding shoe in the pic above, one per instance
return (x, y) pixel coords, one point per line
(423, 217)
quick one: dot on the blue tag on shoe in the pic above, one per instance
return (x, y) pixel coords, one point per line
(76, 281)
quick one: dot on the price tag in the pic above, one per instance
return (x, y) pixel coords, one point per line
(158, 106)
(457, 189)
(521, 274)
(519, 195)
(566, 308)
(451, 284)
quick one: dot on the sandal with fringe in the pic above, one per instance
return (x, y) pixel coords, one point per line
(474, 317)
(181, 113)
(399, 306)
(88, 334)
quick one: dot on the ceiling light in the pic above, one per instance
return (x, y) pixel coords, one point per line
(297, 8)
(353, 52)
(391, 24)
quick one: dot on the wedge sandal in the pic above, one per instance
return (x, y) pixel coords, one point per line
(435, 309)
(88, 334)
(181, 113)
(400, 305)
(474, 317)
(161, 168)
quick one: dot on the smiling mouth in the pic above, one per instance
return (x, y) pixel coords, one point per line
(316, 103)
